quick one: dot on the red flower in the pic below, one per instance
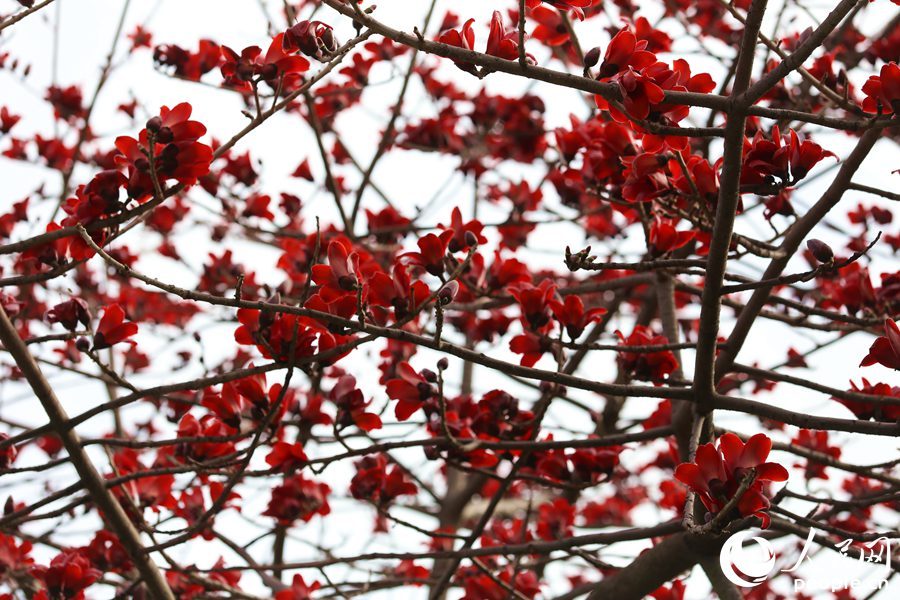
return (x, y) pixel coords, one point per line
(399, 291)
(887, 413)
(68, 575)
(480, 586)
(303, 171)
(94, 201)
(298, 590)
(338, 277)
(287, 457)
(673, 592)
(625, 52)
(352, 405)
(254, 388)
(113, 328)
(664, 238)
(585, 465)
(804, 156)
(765, 160)
(464, 234)
(190, 65)
(885, 350)
(298, 498)
(251, 65)
(207, 426)
(551, 30)
(67, 102)
(573, 317)
(257, 205)
(639, 92)
(883, 90)
(564, 4)
(176, 152)
(70, 313)
(381, 485)
(409, 571)
(647, 366)
(7, 454)
(717, 473)
(464, 38)
(818, 442)
(313, 38)
(432, 249)
(675, 79)
(530, 346)
(411, 391)
(274, 335)
(7, 120)
(555, 520)
(387, 225)
(535, 302)
(502, 43)
(14, 557)
(227, 405)
(140, 38)
(657, 41)
(340, 306)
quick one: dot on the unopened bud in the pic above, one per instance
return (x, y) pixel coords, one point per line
(429, 375)
(154, 124)
(164, 135)
(83, 344)
(448, 292)
(471, 239)
(592, 57)
(443, 364)
(269, 72)
(820, 250)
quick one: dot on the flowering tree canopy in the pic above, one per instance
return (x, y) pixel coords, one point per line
(483, 300)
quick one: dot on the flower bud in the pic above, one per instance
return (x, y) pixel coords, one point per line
(471, 239)
(443, 364)
(592, 57)
(820, 250)
(154, 124)
(424, 390)
(448, 292)
(429, 375)
(164, 135)
(269, 72)
(83, 344)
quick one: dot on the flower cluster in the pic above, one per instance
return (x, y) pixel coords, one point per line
(718, 473)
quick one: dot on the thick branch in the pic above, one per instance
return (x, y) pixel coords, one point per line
(93, 481)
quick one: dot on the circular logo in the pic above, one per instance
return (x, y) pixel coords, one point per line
(750, 566)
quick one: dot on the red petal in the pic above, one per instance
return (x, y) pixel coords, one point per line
(756, 450)
(771, 472)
